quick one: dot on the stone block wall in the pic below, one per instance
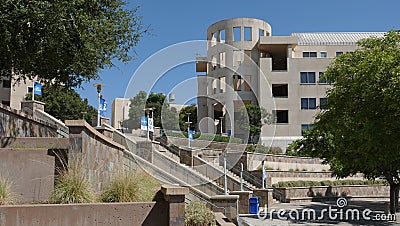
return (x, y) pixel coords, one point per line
(101, 157)
(319, 193)
(15, 123)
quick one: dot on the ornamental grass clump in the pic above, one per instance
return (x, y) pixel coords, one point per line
(131, 187)
(6, 196)
(197, 214)
(72, 185)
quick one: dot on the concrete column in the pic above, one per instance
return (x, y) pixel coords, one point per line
(264, 195)
(144, 149)
(175, 197)
(244, 200)
(186, 155)
(227, 204)
(30, 106)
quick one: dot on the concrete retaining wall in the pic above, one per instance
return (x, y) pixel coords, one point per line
(285, 163)
(101, 157)
(319, 193)
(15, 123)
(123, 214)
(31, 172)
(274, 177)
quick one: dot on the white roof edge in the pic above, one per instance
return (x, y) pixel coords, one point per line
(334, 38)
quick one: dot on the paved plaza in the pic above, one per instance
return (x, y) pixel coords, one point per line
(366, 212)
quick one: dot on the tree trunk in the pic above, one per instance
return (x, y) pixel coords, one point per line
(394, 197)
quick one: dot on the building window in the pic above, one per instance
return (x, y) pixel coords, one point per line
(322, 103)
(309, 54)
(5, 102)
(30, 89)
(213, 39)
(323, 54)
(281, 116)
(247, 83)
(222, 59)
(247, 33)
(280, 90)
(237, 83)
(238, 57)
(261, 32)
(339, 53)
(236, 34)
(321, 79)
(222, 84)
(222, 36)
(305, 127)
(307, 77)
(308, 103)
(7, 83)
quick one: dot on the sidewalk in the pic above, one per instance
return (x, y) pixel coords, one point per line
(323, 213)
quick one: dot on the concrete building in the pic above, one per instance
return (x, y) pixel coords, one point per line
(246, 64)
(12, 94)
(119, 111)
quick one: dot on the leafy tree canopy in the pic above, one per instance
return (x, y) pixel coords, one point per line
(183, 113)
(65, 41)
(163, 115)
(65, 104)
(359, 130)
(252, 118)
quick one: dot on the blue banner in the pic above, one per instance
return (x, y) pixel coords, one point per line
(103, 106)
(264, 173)
(191, 135)
(37, 88)
(143, 123)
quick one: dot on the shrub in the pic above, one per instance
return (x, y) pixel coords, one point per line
(72, 186)
(197, 214)
(130, 187)
(6, 196)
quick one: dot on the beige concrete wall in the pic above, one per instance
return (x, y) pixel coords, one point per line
(101, 157)
(14, 123)
(123, 214)
(319, 193)
(31, 172)
(119, 111)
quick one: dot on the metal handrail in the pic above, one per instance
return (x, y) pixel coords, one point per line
(205, 201)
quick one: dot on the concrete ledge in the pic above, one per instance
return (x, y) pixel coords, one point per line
(222, 220)
(85, 126)
(129, 214)
(224, 197)
(170, 189)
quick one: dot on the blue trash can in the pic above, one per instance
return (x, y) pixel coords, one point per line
(253, 205)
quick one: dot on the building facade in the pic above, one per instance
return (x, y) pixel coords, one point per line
(119, 112)
(246, 64)
(12, 93)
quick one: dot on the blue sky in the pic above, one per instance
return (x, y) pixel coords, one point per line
(176, 21)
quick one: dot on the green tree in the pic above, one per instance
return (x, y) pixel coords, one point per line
(252, 118)
(65, 103)
(156, 101)
(67, 41)
(192, 109)
(136, 110)
(359, 130)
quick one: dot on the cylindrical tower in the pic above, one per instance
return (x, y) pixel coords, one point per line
(232, 72)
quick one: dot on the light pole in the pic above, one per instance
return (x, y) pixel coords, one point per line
(83, 115)
(225, 179)
(98, 86)
(220, 121)
(188, 122)
(147, 113)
